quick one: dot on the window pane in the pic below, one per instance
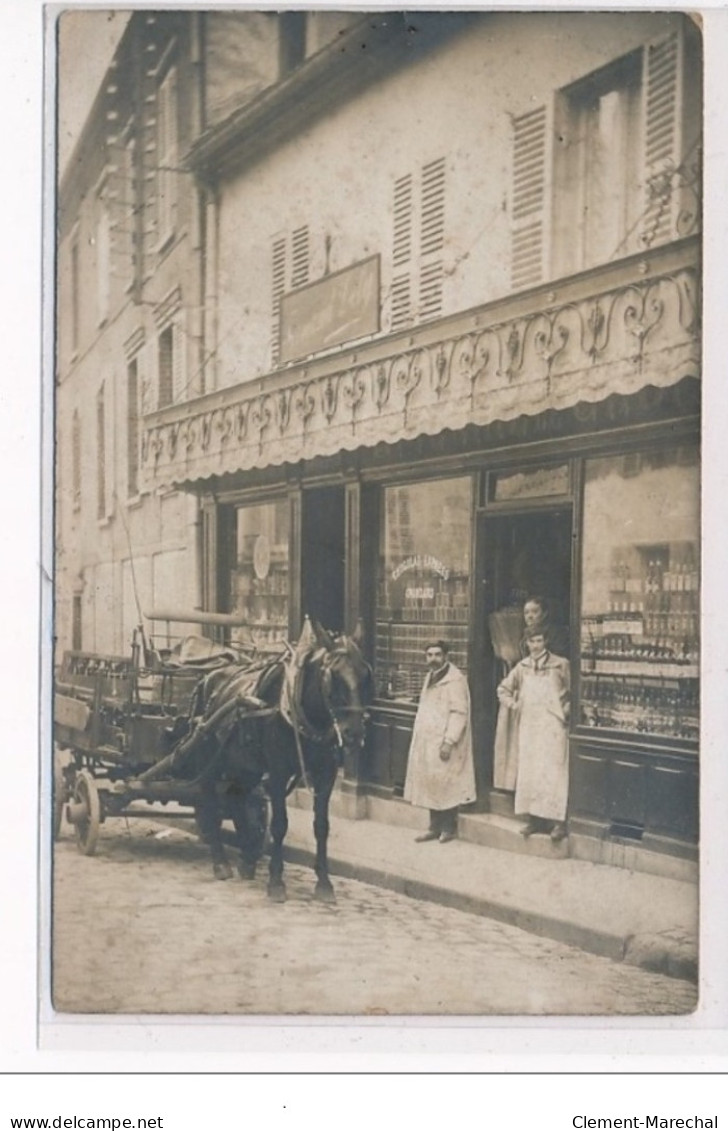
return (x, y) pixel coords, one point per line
(259, 577)
(536, 484)
(424, 580)
(640, 602)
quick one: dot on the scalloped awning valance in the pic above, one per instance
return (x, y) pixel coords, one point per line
(476, 370)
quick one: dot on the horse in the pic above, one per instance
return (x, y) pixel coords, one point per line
(255, 733)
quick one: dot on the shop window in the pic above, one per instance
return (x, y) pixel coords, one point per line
(259, 574)
(423, 587)
(640, 602)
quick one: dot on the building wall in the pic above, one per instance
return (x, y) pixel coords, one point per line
(338, 177)
(124, 295)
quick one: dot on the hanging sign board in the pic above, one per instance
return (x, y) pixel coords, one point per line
(338, 308)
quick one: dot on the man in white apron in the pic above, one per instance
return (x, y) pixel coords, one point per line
(537, 689)
(440, 772)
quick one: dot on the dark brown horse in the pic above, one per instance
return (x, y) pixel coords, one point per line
(268, 730)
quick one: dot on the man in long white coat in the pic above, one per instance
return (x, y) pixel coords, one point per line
(440, 772)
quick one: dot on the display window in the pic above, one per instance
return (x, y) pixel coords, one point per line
(640, 594)
(259, 575)
(423, 590)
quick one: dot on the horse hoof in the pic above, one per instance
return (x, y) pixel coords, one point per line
(222, 871)
(246, 871)
(324, 893)
(277, 893)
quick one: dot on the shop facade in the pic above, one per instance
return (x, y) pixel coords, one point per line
(426, 483)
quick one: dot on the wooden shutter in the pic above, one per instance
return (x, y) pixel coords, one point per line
(402, 252)
(529, 197)
(432, 237)
(662, 82)
(278, 287)
(299, 257)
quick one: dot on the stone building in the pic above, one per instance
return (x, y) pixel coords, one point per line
(415, 335)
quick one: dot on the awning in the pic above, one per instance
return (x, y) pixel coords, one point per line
(538, 351)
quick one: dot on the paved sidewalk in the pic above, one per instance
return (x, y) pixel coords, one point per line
(646, 920)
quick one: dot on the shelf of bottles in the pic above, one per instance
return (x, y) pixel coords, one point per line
(640, 655)
(263, 602)
(433, 608)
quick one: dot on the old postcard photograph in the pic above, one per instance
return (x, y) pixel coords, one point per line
(377, 542)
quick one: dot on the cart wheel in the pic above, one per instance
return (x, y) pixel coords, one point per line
(59, 794)
(86, 794)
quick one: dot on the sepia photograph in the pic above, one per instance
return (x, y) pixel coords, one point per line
(376, 513)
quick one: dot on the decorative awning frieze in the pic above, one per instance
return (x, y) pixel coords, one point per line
(558, 350)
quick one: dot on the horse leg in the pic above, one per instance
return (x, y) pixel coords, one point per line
(323, 785)
(209, 821)
(247, 811)
(278, 830)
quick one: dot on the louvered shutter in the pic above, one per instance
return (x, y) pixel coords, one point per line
(299, 257)
(402, 252)
(662, 83)
(529, 197)
(277, 289)
(432, 237)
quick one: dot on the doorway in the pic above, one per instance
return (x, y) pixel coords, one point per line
(323, 556)
(522, 555)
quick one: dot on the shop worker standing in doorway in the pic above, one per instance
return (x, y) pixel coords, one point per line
(440, 772)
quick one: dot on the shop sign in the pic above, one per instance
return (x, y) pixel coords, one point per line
(338, 308)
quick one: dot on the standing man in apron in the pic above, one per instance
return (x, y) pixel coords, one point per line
(537, 689)
(440, 771)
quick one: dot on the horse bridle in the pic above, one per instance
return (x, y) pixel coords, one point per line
(338, 714)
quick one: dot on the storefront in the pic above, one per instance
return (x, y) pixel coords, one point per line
(568, 468)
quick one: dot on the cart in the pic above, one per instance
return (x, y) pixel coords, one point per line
(116, 718)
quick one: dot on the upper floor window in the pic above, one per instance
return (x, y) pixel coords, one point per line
(167, 156)
(418, 237)
(607, 168)
(165, 355)
(171, 350)
(598, 163)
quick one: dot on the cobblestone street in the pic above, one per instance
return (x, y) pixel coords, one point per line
(142, 927)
